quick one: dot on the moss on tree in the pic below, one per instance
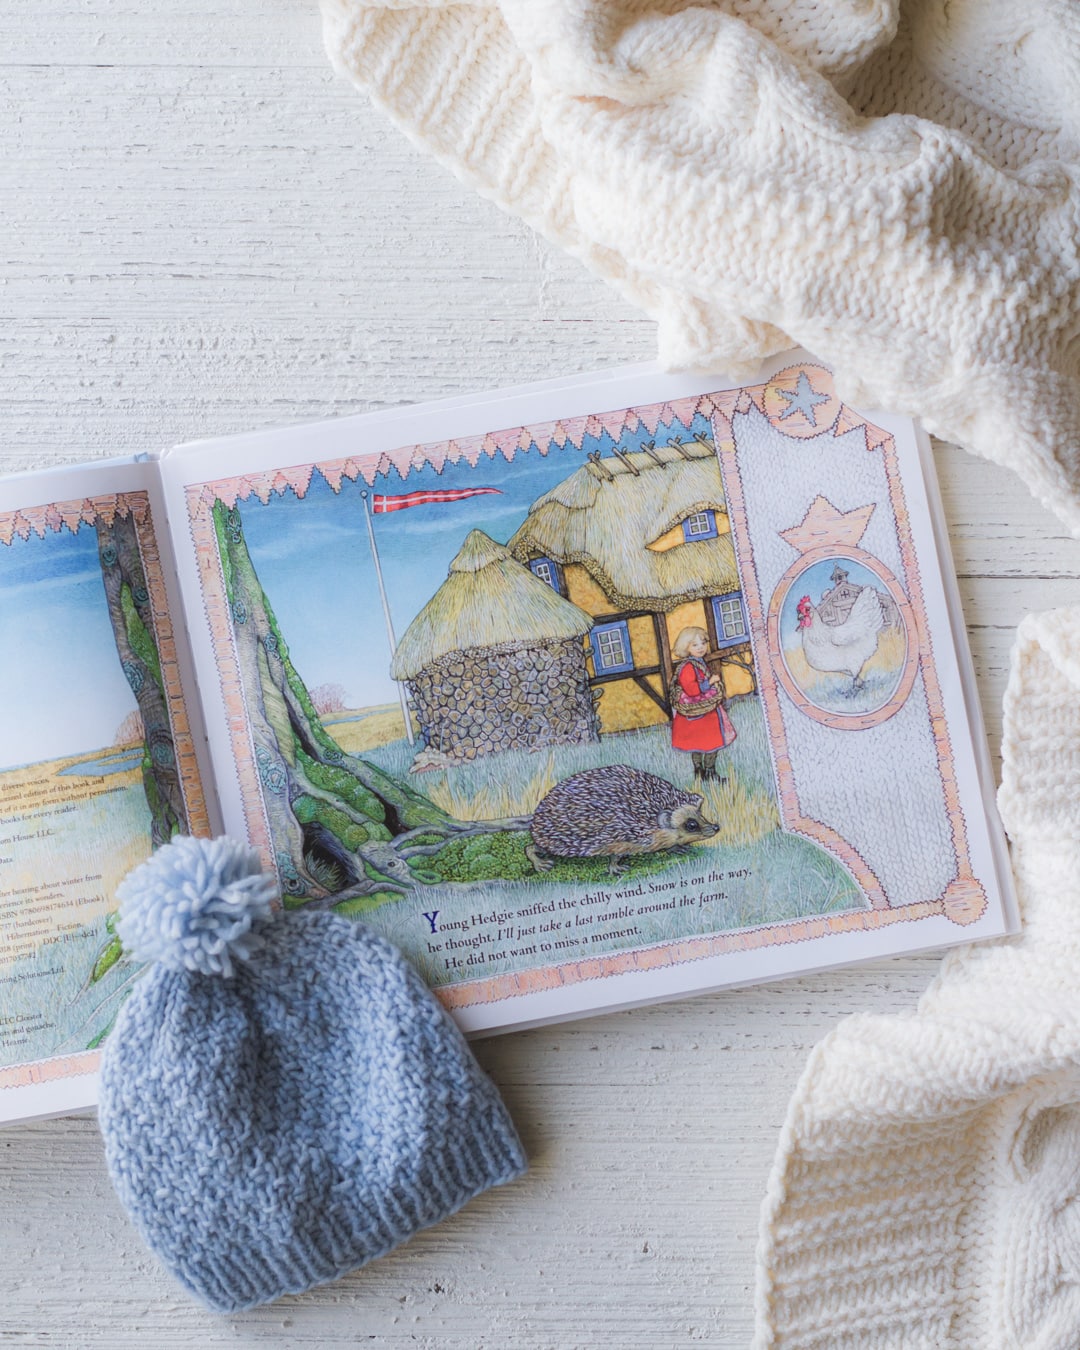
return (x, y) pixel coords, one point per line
(131, 615)
(346, 832)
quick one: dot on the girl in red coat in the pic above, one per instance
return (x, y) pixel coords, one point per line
(699, 722)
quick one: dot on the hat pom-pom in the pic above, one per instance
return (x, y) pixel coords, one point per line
(193, 904)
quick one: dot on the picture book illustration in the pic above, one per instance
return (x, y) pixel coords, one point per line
(96, 767)
(847, 651)
(603, 694)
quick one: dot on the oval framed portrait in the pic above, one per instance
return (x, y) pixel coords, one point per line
(843, 638)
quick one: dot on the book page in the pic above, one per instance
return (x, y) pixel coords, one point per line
(597, 692)
(97, 762)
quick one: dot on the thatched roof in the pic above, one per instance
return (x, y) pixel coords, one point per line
(605, 522)
(487, 600)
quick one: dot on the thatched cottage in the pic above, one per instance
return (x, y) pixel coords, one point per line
(641, 542)
(496, 660)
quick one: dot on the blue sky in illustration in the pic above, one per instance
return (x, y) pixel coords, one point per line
(314, 562)
(62, 691)
(814, 582)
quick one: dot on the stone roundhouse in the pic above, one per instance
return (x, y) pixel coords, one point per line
(496, 660)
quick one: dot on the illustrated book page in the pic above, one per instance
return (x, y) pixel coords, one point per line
(599, 692)
(97, 762)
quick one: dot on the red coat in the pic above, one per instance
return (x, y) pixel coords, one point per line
(711, 732)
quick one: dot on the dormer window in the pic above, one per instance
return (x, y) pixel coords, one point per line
(548, 572)
(700, 525)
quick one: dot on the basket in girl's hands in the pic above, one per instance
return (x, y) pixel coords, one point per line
(688, 706)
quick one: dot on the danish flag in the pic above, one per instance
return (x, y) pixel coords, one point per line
(381, 503)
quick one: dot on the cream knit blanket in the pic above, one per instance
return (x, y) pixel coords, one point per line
(892, 186)
(926, 1192)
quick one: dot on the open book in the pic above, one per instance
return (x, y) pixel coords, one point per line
(585, 694)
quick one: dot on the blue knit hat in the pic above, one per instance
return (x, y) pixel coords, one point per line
(282, 1099)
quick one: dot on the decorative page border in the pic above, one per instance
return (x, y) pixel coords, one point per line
(964, 900)
(52, 517)
(50, 1070)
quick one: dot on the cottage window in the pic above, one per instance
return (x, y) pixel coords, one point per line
(611, 647)
(548, 572)
(730, 618)
(701, 525)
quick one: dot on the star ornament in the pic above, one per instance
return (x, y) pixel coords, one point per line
(801, 402)
(802, 399)
(823, 525)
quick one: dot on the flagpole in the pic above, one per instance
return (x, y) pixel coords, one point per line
(386, 615)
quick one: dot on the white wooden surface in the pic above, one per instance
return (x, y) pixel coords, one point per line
(201, 232)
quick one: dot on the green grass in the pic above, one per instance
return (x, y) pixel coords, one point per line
(751, 873)
(513, 783)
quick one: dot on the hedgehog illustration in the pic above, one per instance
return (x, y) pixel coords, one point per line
(614, 812)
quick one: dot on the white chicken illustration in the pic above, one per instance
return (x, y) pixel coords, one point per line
(843, 647)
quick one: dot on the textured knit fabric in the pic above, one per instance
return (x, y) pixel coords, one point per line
(896, 188)
(279, 1128)
(926, 1192)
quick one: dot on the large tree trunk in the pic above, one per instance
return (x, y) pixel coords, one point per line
(133, 627)
(343, 827)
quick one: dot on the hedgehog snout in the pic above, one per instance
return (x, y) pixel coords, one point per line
(699, 827)
(692, 826)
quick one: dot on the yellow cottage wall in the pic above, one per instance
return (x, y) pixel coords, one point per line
(737, 680)
(582, 591)
(623, 704)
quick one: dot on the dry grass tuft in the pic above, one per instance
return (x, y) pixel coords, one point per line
(476, 796)
(744, 814)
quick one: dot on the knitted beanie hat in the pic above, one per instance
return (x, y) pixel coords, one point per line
(926, 1192)
(282, 1099)
(894, 187)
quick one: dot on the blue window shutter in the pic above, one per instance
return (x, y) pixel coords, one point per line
(548, 572)
(611, 648)
(729, 615)
(699, 525)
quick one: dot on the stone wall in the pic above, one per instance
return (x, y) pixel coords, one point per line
(484, 701)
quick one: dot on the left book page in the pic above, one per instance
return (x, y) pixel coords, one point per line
(98, 760)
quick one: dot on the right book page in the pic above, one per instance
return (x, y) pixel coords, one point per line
(599, 691)
(874, 745)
